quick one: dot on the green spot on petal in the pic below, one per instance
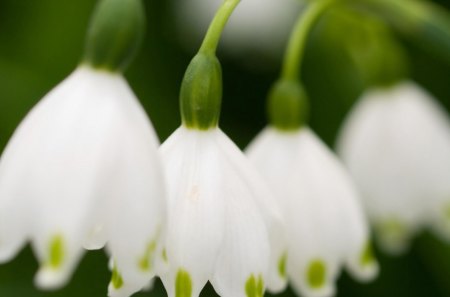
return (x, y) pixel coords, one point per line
(254, 287)
(316, 274)
(183, 284)
(367, 257)
(393, 228)
(164, 256)
(282, 265)
(116, 278)
(393, 234)
(145, 261)
(56, 250)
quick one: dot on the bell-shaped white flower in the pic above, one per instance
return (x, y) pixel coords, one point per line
(324, 222)
(82, 168)
(224, 225)
(396, 144)
(260, 26)
(221, 219)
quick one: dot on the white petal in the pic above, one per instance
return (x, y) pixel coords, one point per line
(136, 199)
(264, 198)
(196, 209)
(13, 224)
(243, 263)
(96, 238)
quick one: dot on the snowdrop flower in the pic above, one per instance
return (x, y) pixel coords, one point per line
(83, 168)
(324, 221)
(396, 144)
(224, 226)
(260, 26)
(220, 218)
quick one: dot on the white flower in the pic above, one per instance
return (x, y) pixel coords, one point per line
(83, 168)
(396, 144)
(221, 218)
(324, 222)
(261, 26)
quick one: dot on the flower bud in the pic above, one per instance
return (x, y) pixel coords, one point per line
(115, 34)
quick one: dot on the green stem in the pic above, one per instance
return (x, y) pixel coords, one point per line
(297, 43)
(214, 33)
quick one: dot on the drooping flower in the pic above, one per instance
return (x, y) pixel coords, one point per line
(260, 26)
(220, 215)
(324, 222)
(82, 169)
(223, 226)
(396, 144)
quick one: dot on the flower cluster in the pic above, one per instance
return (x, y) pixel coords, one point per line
(85, 171)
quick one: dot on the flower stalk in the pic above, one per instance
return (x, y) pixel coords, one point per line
(288, 104)
(212, 38)
(297, 43)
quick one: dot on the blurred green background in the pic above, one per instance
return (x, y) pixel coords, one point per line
(41, 42)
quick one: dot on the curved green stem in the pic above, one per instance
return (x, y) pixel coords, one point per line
(214, 33)
(295, 51)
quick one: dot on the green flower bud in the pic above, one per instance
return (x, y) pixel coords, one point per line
(288, 105)
(201, 92)
(115, 34)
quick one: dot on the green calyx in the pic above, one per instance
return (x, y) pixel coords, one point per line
(115, 34)
(201, 89)
(380, 57)
(392, 66)
(201, 93)
(288, 105)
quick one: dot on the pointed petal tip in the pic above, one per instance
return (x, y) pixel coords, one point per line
(7, 254)
(364, 273)
(114, 292)
(327, 290)
(149, 286)
(369, 273)
(393, 247)
(10, 246)
(93, 247)
(277, 277)
(394, 237)
(317, 280)
(364, 266)
(48, 278)
(122, 290)
(277, 287)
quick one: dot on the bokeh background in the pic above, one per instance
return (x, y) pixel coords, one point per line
(41, 43)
